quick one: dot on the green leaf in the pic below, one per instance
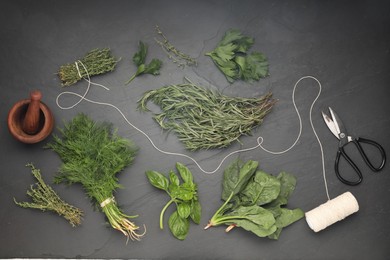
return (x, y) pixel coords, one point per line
(178, 226)
(255, 228)
(231, 35)
(284, 218)
(288, 216)
(140, 56)
(153, 67)
(173, 178)
(184, 172)
(257, 66)
(262, 189)
(196, 211)
(185, 191)
(157, 180)
(255, 219)
(184, 209)
(236, 177)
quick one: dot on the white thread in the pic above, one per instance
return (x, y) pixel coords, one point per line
(107, 201)
(332, 211)
(259, 139)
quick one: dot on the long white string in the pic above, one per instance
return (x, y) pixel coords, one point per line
(259, 139)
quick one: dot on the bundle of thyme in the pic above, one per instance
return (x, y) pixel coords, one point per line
(96, 61)
(46, 199)
(92, 154)
(204, 119)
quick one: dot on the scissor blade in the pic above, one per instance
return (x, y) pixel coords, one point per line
(329, 122)
(338, 123)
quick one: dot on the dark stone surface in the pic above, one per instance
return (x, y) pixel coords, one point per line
(345, 44)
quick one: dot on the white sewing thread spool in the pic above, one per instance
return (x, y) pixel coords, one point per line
(332, 211)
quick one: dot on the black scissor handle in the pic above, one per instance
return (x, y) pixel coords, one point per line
(340, 153)
(357, 141)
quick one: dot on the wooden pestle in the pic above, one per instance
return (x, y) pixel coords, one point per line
(31, 120)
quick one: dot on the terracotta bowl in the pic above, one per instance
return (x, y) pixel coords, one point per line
(15, 121)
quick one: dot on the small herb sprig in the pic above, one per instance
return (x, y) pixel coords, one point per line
(205, 119)
(184, 195)
(92, 154)
(46, 199)
(139, 60)
(96, 61)
(179, 58)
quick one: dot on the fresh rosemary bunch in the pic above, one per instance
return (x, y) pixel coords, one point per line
(96, 61)
(46, 199)
(204, 119)
(92, 154)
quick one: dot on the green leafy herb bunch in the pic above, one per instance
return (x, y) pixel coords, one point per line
(46, 199)
(233, 59)
(255, 200)
(183, 194)
(92, 154)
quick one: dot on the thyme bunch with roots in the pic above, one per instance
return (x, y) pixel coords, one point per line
(205, 119)
(96, 61)
(46, 199)
(92, 154)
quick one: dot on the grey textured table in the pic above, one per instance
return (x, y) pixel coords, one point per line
(345, 44)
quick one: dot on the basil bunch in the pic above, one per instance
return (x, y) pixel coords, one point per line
(184, 195)
(254, 200)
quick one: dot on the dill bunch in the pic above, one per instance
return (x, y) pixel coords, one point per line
(96, 61)
(204, 119)
(46, 199)
(92, 154)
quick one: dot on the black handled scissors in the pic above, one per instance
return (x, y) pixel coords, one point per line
(336, 126)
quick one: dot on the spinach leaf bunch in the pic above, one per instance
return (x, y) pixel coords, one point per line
(255, 200)
(206, 119)
(139, 59)
(92, 154)
(183, 194)
(233, 59)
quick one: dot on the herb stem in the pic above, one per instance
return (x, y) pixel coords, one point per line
(163, 211)
(214, 221)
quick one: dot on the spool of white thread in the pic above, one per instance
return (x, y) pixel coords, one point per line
(332, 211)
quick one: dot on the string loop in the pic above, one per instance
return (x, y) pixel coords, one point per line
(259, 140)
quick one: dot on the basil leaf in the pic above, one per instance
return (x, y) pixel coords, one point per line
(196, 211)
(178, 226)
(236, 177)
(173, 178)
(184, 209)
(185, 174)
(158, 180)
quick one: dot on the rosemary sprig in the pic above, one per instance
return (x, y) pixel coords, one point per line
(46, 199)
(96, 61)
(92, 154)
(179, 58)
(204, 119)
